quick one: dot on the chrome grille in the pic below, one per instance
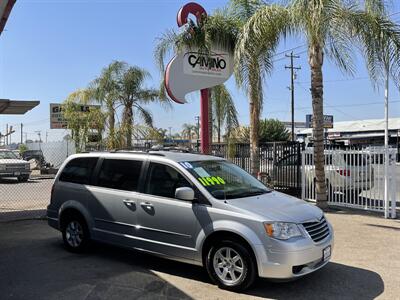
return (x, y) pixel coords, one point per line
(317, 230)
(15, 167)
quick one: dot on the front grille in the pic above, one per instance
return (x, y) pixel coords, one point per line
(15, 167)
(317, 230)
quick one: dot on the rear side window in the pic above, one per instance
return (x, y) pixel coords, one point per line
(120, 174)
(79, 170)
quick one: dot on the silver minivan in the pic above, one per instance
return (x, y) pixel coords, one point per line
(193, 208)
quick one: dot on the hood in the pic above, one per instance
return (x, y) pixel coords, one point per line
(13, 161)
(277, 206)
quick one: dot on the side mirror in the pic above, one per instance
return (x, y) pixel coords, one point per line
(184, 193)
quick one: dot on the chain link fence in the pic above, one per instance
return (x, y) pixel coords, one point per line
(27, 197)
(280, 168)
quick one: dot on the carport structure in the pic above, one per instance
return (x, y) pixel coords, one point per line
(5, 10)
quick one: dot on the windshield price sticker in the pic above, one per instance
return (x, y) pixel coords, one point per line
(213, 180)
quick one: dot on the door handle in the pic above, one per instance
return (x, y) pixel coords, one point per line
(147, 205)
(128, 202)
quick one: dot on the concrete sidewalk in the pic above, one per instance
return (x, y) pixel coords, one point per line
(34, 265)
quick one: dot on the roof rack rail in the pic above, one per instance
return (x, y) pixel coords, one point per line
(172, 149)
(136, 152)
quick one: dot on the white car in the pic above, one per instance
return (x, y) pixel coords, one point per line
(12, 166)
(345, 173)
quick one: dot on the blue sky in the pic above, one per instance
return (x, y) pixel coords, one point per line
(52, 47)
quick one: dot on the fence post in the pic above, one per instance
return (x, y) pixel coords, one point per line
(392, 185)
(303, 175)
(386, 182)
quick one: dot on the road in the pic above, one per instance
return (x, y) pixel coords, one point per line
(34, 265)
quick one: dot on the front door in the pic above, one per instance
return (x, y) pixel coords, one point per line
(167, 225)
(114, 201)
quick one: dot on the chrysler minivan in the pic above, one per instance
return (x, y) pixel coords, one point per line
(192, 208)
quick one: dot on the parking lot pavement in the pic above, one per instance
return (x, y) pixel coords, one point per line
(34, 265)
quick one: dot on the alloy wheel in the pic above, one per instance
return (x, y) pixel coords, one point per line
(228, 265)
(74, 234)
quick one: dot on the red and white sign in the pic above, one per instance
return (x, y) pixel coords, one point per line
(192, 70)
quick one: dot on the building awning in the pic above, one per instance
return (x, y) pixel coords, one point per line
(5, 10)
(16, 107)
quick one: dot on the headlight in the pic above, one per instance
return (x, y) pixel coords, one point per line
(282, 230)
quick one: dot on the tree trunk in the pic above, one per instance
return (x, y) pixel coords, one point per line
(210, 119)
(127, 121)
(255, 109)
(111, 124)
(316, 58)
(219, 130)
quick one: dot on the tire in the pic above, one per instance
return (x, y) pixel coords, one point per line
(240, 257)
(23, 178)
(75, 233)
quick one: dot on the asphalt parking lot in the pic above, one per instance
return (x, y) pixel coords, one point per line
(34, 265)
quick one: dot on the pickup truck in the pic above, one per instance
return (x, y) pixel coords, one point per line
(12, 166)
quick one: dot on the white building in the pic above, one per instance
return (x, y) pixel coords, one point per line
(362, 132)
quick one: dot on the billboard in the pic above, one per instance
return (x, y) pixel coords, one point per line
(57, 120)
(328, 121)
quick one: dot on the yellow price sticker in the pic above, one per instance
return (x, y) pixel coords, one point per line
(212, 180)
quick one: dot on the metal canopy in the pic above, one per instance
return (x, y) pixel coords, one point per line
(16, 107)
(5, 9)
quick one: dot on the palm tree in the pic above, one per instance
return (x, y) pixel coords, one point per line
(217, 30)
(105, 90)
(330, 27)
(250, 69)
(133, 95)
(188, 130)
(224, 110)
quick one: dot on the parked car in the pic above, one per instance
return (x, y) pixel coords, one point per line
(13, 166)
(345, 172)
(193, 208)
(36, 158)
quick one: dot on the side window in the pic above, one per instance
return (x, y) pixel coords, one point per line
(79, 170)
(163, 180)
(120, 174)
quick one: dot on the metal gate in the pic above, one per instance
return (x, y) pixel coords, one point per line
(280, 163)
(356, 179)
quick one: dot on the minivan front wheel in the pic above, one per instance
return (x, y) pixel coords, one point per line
(230, 266)
(75, 234)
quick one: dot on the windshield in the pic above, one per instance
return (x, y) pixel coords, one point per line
(7, 155)
(225, 180)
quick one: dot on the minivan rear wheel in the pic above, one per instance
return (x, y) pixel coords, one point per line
(75, 234)
(231, 266)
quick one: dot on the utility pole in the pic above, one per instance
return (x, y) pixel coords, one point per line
(22, 139)
(6, 137)
(292, 75)
(197, 119)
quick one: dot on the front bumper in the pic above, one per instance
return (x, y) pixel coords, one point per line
(281, 264)
(15, 173)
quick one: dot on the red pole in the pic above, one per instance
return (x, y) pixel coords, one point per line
(204, 135)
